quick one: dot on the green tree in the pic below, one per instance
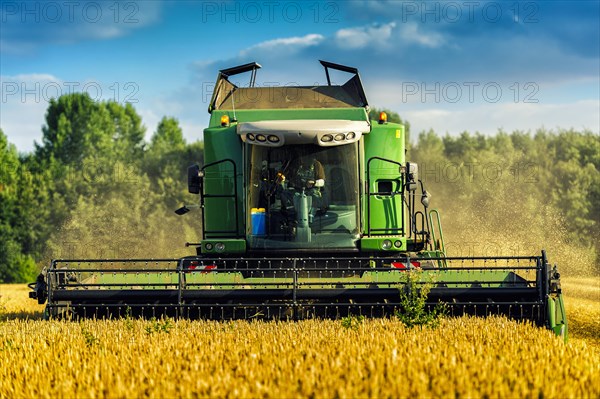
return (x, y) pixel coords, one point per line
(78, 128)
(88, 150)
(516, 193)
(127, 131)
(15, 266)
(94, 187)
(167, 160)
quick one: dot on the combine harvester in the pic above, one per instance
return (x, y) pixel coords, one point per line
(309, 209)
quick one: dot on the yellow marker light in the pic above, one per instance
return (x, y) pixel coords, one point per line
(225, 120)
(382, 118)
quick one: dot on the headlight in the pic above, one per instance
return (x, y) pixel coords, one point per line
(386, 244)
(261, 138)
(220, 247)
(398, 244)
(327, 138)
(250, 136)
(208, 246)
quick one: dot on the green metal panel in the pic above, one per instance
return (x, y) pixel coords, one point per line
(230, 246)
(353, 114)
(385, 211)
(386, 279)
(376, 243)
(219, 213)
(557, 318)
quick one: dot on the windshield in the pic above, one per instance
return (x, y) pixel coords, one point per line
(302, 196)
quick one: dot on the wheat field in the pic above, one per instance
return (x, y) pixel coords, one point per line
(463, 357)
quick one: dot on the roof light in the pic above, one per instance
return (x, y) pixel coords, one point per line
(327, 138)
(382, 118)
(340, 137)
(350, 136)
(224, 120)
(273, 139)
(261, 138)
(250, 136)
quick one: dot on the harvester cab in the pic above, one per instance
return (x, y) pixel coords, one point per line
(308, 208)
(302, 170)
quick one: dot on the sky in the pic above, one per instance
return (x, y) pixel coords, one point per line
(451, 66)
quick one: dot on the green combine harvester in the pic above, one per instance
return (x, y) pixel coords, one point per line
(308, 209)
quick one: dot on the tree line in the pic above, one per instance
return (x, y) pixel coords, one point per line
(94, 187)
(515, 193)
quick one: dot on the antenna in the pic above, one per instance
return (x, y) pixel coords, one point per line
(234, 119)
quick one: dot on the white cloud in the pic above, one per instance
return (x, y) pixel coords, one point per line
(410, 32)
(287, 43)
(30, 77)
(363, 36)
(386, 35)
(488, 118)
(424, 112)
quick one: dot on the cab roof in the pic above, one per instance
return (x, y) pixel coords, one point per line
(228, 96)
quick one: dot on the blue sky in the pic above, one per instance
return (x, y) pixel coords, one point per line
(448, 65)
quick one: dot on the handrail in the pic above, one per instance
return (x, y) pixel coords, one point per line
(442, 246)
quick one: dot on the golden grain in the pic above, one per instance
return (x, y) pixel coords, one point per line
(467, 357)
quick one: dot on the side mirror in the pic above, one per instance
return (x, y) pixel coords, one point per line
(412, 176)
(182, 211)
(425, 199)
(195, 179)
(186, 208)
